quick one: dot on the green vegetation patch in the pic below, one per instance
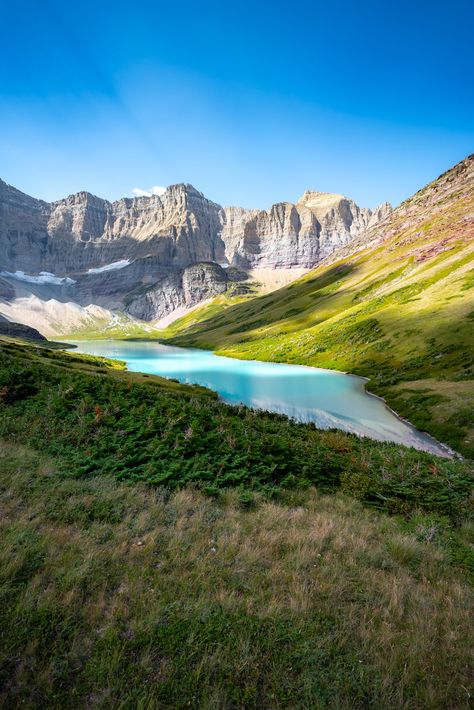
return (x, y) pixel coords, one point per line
(119, 595)
(97, 422)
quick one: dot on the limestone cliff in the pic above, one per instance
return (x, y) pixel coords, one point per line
(82, 231)
(298, 235)
(185, 287)
(137, 254)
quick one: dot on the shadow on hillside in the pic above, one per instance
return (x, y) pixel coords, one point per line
(273, 307)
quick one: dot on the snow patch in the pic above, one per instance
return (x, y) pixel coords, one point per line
(44, 277)
(110, 267)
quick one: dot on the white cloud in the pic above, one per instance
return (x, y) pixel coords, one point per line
(141, 193)
(155, 190)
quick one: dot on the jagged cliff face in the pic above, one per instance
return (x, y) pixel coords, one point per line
(181, 288)
(298, 235)
(83, 231)
(138, 254)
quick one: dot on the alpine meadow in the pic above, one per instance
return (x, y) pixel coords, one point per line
(236, 424)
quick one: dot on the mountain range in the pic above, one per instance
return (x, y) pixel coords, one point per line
(386, 294)
(78, 261)
(161, 548)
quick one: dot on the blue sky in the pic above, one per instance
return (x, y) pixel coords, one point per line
(252, 102)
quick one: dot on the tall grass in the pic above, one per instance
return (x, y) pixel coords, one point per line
(118, 595)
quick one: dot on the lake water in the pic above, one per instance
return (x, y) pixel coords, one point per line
(329, 399)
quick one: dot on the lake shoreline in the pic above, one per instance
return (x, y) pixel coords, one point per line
(421, 440)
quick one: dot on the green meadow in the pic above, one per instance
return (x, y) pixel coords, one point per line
(161, 549)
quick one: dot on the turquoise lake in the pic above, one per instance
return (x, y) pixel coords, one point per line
(329, 399)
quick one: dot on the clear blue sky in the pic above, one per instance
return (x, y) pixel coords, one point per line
(252, 102)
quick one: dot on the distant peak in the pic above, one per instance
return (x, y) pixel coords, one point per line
(180, 188)
(185, 187)
(320, 203)
(82, 197)
(320, 194)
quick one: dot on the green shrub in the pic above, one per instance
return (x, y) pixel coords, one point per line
(104, 424)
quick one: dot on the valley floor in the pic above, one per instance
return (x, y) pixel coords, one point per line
(118, 595)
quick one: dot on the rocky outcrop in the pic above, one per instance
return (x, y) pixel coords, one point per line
(138, 253)
(23, 230)
(186, 287)
(18, 330)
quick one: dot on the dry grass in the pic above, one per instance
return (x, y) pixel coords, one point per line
(122, 596)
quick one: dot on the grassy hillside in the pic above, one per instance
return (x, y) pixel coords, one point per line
(162, 549)
(100, 419)
(398, 307)
(115, 595)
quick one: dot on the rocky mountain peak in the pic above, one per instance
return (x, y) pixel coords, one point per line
(183, 188)
(136, 254)
(82, 198)
(182, 193)
(320, 203)
(381, 212)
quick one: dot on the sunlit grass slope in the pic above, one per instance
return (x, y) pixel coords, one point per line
(397, 307)
(43, 359)
(118, 595)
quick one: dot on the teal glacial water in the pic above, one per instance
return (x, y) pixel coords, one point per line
(329, 399)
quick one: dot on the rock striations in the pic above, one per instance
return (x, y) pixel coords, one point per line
(298, 235)
(148, 256)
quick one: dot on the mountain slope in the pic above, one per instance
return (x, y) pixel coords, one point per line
(158, 596)
(115, 595)
(397, 305)
(17, 330)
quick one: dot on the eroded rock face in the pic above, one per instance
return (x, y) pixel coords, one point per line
(137, 254)
(23, 230)
(298, 235)
(83, 231)
(185, 287)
